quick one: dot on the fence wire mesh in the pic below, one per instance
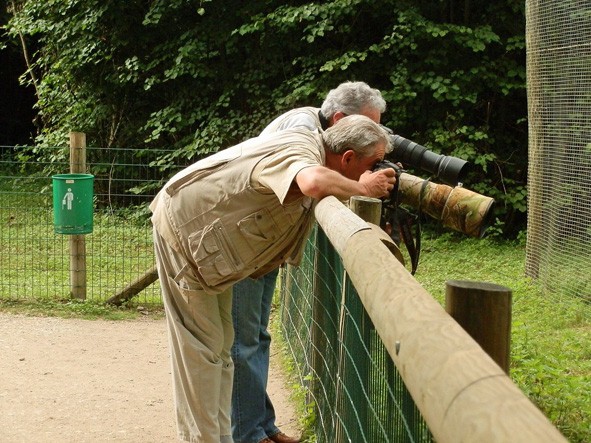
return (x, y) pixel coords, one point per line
(351, 379)
(35, 261)
(559, 176)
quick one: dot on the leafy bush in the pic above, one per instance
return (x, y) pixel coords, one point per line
(196, 76)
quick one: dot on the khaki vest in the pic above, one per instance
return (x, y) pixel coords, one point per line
(225, 223)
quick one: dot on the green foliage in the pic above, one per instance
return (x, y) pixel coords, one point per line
(197, 76)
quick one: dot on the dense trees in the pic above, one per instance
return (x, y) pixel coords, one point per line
(199, 75)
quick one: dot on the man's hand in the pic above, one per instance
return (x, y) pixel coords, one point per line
(379, 183)
(319, 181)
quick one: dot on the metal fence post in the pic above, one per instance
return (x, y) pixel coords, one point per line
(354, 368)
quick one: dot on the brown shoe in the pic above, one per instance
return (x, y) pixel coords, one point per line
(282, 438)
(266, 440)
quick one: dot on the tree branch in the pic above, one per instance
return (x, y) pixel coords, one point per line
(26, 55)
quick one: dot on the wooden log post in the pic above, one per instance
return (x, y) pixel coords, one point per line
(368, 209)
(483, 310)
(77, 241)
(134, 287)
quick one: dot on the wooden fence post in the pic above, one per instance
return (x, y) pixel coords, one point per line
(483, 310)
(77, 241)
(368, 209)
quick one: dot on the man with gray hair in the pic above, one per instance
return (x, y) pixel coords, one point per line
(253, 414)
(239, 213)
(348, 98)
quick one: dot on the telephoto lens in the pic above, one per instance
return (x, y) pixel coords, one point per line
(458, 208)
(450, 170)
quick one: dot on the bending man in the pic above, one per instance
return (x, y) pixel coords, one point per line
(238, 213)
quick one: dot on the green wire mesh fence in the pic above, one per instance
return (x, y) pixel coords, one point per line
(35, 261)
(349, 375)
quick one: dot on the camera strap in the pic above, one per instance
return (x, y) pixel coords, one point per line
(401, 223)
(418, 224)
(406, 220)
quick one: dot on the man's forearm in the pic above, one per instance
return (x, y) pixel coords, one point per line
(318, 182)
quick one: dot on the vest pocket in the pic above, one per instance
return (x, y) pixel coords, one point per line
(211, 249)
(259, 228)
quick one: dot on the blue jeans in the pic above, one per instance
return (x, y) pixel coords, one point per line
(253, 415)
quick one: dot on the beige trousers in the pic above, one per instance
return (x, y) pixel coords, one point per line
(200, 334)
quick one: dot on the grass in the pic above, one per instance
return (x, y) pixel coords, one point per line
(551, 333)
(85, 309)
(304, 409)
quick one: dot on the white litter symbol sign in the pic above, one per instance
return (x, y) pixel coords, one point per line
(67, 200)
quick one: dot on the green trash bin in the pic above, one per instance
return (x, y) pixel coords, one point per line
(72, 203)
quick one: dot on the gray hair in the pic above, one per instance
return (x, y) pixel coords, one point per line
(352, 98)
(355, 132)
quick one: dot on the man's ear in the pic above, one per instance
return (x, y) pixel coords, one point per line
(337, 116)
(347, 158)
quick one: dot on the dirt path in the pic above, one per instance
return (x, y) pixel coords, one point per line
(70, 380)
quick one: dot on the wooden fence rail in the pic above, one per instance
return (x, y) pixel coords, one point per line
(461, 392)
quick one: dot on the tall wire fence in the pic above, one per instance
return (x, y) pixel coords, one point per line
(559, 177)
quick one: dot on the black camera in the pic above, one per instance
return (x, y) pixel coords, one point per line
(450, 170)
(455, 206)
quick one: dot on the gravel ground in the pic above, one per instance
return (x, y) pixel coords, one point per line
(72, 380)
